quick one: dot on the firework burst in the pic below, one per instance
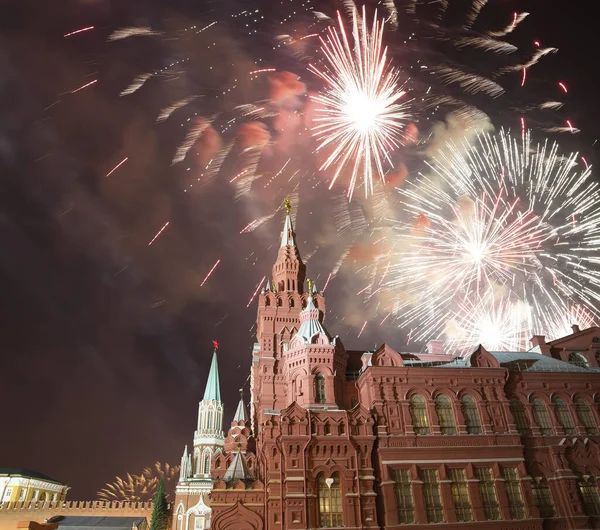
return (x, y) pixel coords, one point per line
(362, 110)
(140, 488)
(502, 215)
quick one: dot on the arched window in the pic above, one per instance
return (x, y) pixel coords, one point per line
(292, 302)
(590, 496)
(418, 411)
(327, 428)
(469, 410)
(577, 359)
(542, 497)
(329, 493)
(279, 302)
(320, 388)
(209, 420)
(207, 464)
(564, 416)
(518, 412)
(598, 357)
(540, 414)
(585, 416)
(443, 407)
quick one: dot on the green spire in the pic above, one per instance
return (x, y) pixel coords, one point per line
(213, 390)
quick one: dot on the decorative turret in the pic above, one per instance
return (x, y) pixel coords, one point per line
(239, 436)
(238, 469)
(310, 319)
(288, 271)
(185, 471)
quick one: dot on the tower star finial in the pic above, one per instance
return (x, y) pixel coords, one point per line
(216, 345)
(309, 283)
(287, 205)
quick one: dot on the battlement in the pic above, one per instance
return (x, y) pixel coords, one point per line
(13, 512)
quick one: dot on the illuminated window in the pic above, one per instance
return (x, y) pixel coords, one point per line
(8, 493)
(541, 417)
(518, 412)
(564, 416)
(329, 492)
(460, 494)
(585, 416)
(404, 497)
(22, 494)
(543, 498)
(207, 464)
(577, 359)
(320, 388)
(443, 407)
(469, 410)
(418, 411)
(487, 490)
(590, 496)
(209, 420)
(513, 492)
(431, 494)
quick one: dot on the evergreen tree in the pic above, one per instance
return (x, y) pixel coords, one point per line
(160, 510)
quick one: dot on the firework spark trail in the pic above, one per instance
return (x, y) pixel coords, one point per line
(167, 111)
(117, 166)
(159, 232)
(76, 32)
(500, 214)
(362, 329)
(476, 7)
(327, 282)
(486, 43)
(132, 31)
(210, 272)
(84, 86)
(359, 116)
(190, 138)
(256, 290)
(137, 83)
(470, 83)
(517, 19)
(534, 60)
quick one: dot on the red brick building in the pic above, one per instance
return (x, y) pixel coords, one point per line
(387, 439)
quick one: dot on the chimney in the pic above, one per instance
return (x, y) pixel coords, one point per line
(542, 345)
(435, 347)
(575, 328)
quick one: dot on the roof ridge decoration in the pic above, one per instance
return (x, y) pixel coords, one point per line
(386, 356)
(481, 358)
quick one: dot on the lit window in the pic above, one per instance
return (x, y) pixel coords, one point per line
(513, 492)
(330, 502)
(443, 407)
(404, 497)
(207, 464)
(431, 494)
(469, 410)
(487, 490)
(320, 388)
(460, 495)
(577, 359)
(564, 416)
(585, 416)
(8, 493)
(418, 411)
(543, 498)
(516, 407)
(541, 417)
(22, 494)
(590, 496)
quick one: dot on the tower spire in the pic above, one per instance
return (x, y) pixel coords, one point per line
(240, 412)
(213, 389)
(288, 238)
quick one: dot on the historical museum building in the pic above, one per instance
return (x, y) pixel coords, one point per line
(339, 438)
(23, 485)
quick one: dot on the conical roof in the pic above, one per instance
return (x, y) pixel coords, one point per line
(238, 469)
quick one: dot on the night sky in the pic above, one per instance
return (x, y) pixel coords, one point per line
(106, 341)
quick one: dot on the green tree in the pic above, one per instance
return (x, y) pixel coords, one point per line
(160, 510)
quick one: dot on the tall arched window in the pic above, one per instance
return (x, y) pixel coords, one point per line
(418, 411)
(209, 420)
(542, 497)
(590, 495)
(585, 416)
(469, 410)
(564, 416)
(329, 492)
(443, 407)
(320, 388)
(518, 412)
(206, 463)
(540, 414)
(578, 360)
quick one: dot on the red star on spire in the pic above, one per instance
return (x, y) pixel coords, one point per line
(215, 344)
